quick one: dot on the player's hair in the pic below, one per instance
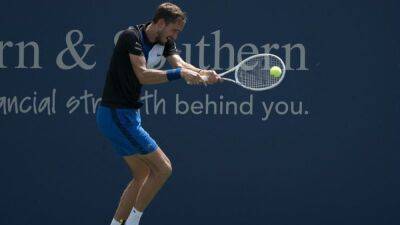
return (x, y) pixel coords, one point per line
(169, 12)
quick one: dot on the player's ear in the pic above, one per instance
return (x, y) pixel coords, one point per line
(161, 23)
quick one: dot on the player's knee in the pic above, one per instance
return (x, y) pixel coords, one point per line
(167, 171)
(164, 171)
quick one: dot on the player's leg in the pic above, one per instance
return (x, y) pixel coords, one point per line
(140, 172)
(160, 171)
(123, 128)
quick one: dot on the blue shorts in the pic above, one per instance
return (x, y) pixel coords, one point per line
(123, 128)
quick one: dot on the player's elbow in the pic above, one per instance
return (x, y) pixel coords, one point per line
(147, 76)
(142, 78)
(141, 75)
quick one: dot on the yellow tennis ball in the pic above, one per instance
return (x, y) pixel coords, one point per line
(275, 71)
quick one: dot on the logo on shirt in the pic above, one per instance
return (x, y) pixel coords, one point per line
(155, 55)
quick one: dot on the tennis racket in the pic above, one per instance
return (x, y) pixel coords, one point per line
(254, 73)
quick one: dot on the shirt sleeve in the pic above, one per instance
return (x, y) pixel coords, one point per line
(170, 49)
(131, 41)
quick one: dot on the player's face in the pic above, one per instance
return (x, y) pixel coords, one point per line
(170, 31)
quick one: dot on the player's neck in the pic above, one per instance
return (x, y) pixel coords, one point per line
(151, 33)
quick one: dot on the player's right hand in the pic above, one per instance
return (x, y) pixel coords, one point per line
(192, 77)
(211, 76)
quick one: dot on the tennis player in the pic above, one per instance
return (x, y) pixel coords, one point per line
(138, 49)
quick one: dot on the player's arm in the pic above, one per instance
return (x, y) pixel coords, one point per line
(144, 75)
(153, 76)
(176, 61)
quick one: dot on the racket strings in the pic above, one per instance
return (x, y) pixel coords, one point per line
(255, 73)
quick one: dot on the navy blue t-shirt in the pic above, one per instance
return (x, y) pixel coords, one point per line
(122, 88)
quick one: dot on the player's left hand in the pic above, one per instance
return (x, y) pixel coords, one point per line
(213, 77)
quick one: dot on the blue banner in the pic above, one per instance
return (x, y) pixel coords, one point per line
(319, 149)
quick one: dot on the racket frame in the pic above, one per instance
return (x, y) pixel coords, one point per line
(244, 61)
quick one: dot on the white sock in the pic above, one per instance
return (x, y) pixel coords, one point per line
(115, 222)
(134, 217)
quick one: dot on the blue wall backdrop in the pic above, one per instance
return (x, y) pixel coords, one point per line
(326, 154)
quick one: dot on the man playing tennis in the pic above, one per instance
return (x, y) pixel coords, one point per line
(138, 49)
